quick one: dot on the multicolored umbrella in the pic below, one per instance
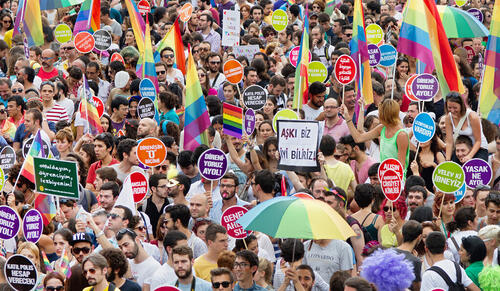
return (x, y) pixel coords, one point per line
(293, 217)
(459, 23)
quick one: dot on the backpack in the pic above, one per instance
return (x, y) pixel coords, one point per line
(453, 286)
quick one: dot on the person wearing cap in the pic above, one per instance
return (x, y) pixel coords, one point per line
(81, 247)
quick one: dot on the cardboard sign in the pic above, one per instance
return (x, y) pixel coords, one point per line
(391, 184)
(9, 221)
(247, 51)
(151, 151)
(254, 97)
(249, 121)
(279, 20)
(470, 53)
(21, 273)
(345, 70)
(388, 55)
(32, 226)
(390, 164)
(477, 172)
(294, 56)
(448, 177)
(84, 42)
(228, 221)
(425, 87)
(63, 33)
(117, 57)
(27, 145)
(143, 7)
(7, 158)
(230, 28)
(374, 33)
(146, 108)
(147, 89)
(374, 55)
(103, 39)
(140, 186)
(284, 114)
(58, 178)
(233, 70)
(424, 127)
(408, 88)
(298, 142)
(212, 164)
(99, 105)
(476, 13)
(232, 120)
(186, 12)
(460, 194)
(317, 72)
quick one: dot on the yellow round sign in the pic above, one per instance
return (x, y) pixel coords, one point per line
(374, 33)
(461, 3)
(279, 20)
(63, 33)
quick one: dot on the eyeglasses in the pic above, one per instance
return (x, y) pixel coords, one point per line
(7, 21)
(68, 48)
(141, 228)
(161, 72)
(85, 250)
(224, 284)
(386, 208)
(214, 63)
(162, 167)
(348, 34)
(17, 90)
(241, 265)
(202, 75)
(169, 56)
(204, 49)
(126, 230)
(58, 288)
(195, 51)
(114, 215)
(91, 271)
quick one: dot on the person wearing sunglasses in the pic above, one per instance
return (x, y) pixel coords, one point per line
(81, 247)
(95, 268)
(54, 281)
(222, 279)
(173, 75)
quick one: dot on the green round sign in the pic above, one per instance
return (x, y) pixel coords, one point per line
(448, 177)
(374, 33)
(284, 114)
(63, 33)
(317, 72)
(279, 20)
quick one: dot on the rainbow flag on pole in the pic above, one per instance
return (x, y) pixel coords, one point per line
(301, 88)
(173, 39)
(30, 9)
(88, 111)
(232, 120)
(46, 262)
(138, 25)
(359, 52)
(196, 114)
(65, 268)
(89, 17)
(36, 150)
(489, 101)
(422, 36)
(146, 63)
(46, 205)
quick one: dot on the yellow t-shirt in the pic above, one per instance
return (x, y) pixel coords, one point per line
(389, 239)
(341, 174)
(105, 289)
(202, 268)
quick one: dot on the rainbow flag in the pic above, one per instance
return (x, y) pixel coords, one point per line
(359, 52)
(489, 101)
(173, 39)
(232, 120)
(331, 5)
(65, 268)
(47, 207)
(146, 64)
(54, 4)
(301, 88)
(46, 262)
(290, 2)
(89, 17)
(196, 114)
(36, 150)
(88, 110)
(138, 25)
(422, 36)
(30, 9)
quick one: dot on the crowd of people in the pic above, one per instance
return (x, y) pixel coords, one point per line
(174, 236)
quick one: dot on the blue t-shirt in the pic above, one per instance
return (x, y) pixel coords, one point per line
(200, 285)
(254, 287)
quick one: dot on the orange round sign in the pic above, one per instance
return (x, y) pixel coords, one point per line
(151, 152)
(84, 42)
(186, 12)
(233, 70)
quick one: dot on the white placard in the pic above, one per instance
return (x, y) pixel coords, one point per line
(298, 142)
(231, 28)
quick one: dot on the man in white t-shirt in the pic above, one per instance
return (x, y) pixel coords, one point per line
(314, 106)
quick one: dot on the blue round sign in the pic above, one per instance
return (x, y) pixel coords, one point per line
(424, 127)
(388, 55)
(460, 193)
(147, 89)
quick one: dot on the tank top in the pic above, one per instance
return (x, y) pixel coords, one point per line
(389, 147)
(468, 132)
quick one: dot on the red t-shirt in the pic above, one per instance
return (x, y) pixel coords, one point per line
(47, 75)
(96, 166)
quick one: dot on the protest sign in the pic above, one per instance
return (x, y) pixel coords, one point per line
(461, 3)
(279, 20)
(232, 120)
(390, 164)
(151, 152)
(140, 186)
(7, 158)
(212, 164)
(230, 28)
(143, 7)
(374, 55)
(388, 55)
(476, 13)
(298, 142)
(54, 177)
(146, 108)
(374, 33)
(284, 114)
(117, 57)
(63, 33)
(470, 53)
(27, 145)
(294, 55)
(247, 51)
(249, 121)
(408, 88)
(147, 89)
(167, 288)
(233, 70)
(345, 69)
(186, 12)
(254, 97)
(424, 127)
(20, 273)
(98, 104)
(460, 194)
(84, 42)
(32, 226)
(477, 172)
(391, 184)
(425, 87)
(102, 39)
(9, 221)
(448, 177)
(317, 72)
(228, 221)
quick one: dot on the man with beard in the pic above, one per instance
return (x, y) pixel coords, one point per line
(204, 48)
(250, 77)
(173, 75)
(209, 34)
(48, 71)
(95, 269)
(118, 266)
(350, 101)
(182, 257)
(314, 106)
(416, 197)
(109, 192)
(335, 126)
(217, 241)
(81, 246)
(228, 186)
(142, 265)
(157, 202)
(161, 71)
(360, 162)
(127, 154)
(214, 65)
(147, 128)
(178, 188)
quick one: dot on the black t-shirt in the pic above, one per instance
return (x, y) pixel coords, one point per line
(130, 286)
(417, 264)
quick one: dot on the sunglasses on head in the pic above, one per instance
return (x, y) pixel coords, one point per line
(58, 288)
(85, 250)
(224, 284)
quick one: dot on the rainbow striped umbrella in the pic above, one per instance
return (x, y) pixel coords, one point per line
(459, 23)
(292, 217)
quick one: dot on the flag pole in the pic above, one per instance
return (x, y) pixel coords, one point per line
(481, 89)
(393, 80)
(24, 162)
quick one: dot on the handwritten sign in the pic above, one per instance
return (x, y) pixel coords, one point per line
(54, 177)
(231, 28)
(247, 51)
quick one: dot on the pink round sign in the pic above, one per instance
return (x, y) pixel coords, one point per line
(228, 220)
(294, 56)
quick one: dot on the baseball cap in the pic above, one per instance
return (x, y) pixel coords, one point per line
(80, 237)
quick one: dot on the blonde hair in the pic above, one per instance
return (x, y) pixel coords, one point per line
(389, 112)
(490, 232)
(32, 248)
(267, 268)
(65, 134)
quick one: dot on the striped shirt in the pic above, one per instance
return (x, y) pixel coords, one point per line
(56, 113)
